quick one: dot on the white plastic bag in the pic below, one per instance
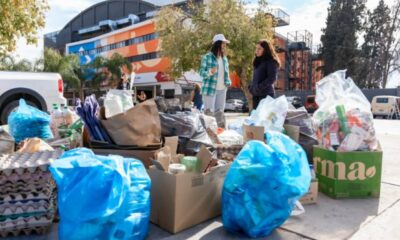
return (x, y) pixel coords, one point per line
(271, 113)
(117, 101)
(230, 137)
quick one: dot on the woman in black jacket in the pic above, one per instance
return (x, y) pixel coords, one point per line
(265, 69)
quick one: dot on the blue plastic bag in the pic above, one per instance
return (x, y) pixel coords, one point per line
(263, 185)
(29, 122)
(101, 197)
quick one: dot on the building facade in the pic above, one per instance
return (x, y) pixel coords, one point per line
(127, 27)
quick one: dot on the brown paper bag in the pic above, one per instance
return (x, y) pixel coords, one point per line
(138, 126)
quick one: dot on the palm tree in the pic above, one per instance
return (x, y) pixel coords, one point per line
(9, 63)
(110, 70)
(67, 66)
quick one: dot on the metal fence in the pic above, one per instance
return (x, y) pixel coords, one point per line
(369, 93)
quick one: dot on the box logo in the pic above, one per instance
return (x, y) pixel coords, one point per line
(356, 170)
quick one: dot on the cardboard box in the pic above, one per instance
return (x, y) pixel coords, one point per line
(257, 132)
(184, 200)
(312, 194)
(348, 174)
(253, 133)
(143, 155)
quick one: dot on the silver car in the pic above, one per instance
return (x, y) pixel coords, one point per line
(234, 105)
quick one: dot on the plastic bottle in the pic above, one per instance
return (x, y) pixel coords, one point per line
(56, 120)
(68, 116)
(344, 124)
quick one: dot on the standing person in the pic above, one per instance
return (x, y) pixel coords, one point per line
(214, 70)
(142, 96)
(123, 83)
(197, 98)
(265, 69)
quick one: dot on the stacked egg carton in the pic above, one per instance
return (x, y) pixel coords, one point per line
(27, 193)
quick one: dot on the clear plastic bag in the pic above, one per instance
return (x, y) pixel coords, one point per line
(263, 185)
(117, 101)
(101, 197)
(29, 122)
(271, 113)
(344, 118)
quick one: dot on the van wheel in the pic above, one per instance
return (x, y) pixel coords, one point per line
(11, 106)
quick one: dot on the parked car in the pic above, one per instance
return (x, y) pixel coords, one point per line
(385, 106)
(295, 101)
(310, 104)
(40, 90)
(245, 107)
(234, 105)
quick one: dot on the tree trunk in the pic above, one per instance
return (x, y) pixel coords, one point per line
(244, 84)
(81, 92)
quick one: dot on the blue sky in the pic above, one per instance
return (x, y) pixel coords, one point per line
(304, 14)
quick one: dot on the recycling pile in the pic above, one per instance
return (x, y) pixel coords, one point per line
(344, 117)
(27, 193)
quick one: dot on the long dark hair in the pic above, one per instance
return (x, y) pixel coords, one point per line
(217, 49)
(269, 54)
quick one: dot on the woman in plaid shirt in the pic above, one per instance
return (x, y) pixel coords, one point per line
(214, 70)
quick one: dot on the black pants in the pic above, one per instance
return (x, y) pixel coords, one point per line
(257, 99)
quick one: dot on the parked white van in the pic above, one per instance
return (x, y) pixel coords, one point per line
(384, 106)
(40, 90)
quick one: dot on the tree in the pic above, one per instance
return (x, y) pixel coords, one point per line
(391, 52)
(339, 39)
(67, 66)
(9, 63)
(186, 35)
(20, 19)
(109, 70)
(373, 50)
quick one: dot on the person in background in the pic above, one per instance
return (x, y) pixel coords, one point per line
(123, 83)
(197, 98)
(265, 69)
(142, 96)
(214, 70)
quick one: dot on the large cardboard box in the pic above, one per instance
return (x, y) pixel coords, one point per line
(184, 200)
(312, 195)
(144, 156)
(348, 174)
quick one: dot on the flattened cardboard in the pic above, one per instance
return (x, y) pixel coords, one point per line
(253, 133)
(172, 143)
(185, 200)
(312, 195)
(292, 131)
(205, 157)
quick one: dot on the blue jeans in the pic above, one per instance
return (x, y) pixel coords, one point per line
(216, 102)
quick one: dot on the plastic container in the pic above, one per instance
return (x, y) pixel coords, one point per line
(192, 164)
(56, 120)
(113, 106)
(176, 168)
(68, 116)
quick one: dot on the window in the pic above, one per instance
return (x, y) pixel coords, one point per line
(382, 100)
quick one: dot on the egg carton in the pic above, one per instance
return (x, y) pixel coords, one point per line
(17, 197)
(4, 218)
(14, 189)
(21, 224)
(38, 176)
(22, 221)
(39, 230)
(21, 163)
(20, 209)
(26, 206)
